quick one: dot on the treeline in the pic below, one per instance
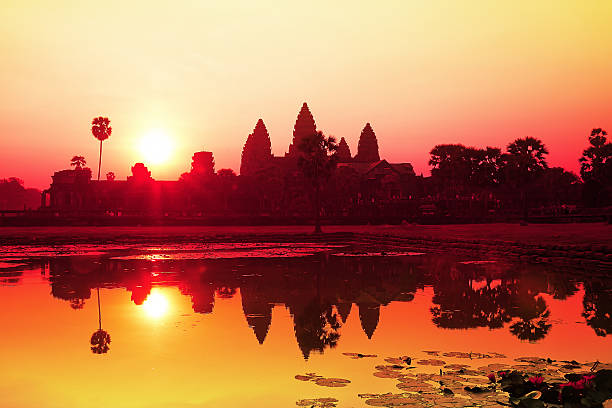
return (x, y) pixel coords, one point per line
(14, 196)
(520, 177)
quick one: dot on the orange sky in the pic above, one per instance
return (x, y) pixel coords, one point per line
(476, 72)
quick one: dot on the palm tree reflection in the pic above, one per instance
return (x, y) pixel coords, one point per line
(100, 339)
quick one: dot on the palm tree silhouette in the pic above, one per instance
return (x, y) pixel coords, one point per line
(100, 339)
(317, 161)
(78, 162)
(101, 129)
(524, 162)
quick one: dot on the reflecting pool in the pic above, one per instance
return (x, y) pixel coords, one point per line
(233, 325)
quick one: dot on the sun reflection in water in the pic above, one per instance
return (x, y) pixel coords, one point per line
(156, 305)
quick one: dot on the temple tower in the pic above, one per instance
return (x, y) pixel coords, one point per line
(304, 126)
(367, 150)
(344, 152)
(203, 164)
(257, 151)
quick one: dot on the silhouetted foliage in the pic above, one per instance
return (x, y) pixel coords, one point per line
(596, 169)
(317, 161)
(523, 163)
(78, 162)
(110, 176)
(14, 196)
(100, 341)
(317, 328)
(597, 304)
(101, 130)
(140, 173)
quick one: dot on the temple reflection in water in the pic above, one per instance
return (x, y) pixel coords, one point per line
(321, 291)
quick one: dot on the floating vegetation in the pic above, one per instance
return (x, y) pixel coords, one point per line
(472, 356)
(322, 381)
(533, 382)
(317, 402)
(432, 362)
(359, 355)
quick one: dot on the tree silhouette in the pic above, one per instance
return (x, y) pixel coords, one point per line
(77, 162)
(596, 167)
(524, 161)
(597, 305)
(110, 176)
(317, 161)
(140, 173)
(100, 339)
(317, 327)
(101, 129)
(226, 182)
(534, 326)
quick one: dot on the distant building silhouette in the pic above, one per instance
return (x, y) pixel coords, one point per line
(203, 164)
(304, 126)
(344, 152)
(368, 316)
(70, 190)
(367, 150)
(257, 151)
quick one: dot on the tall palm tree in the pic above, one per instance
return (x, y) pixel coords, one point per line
(317, 161)
(523, 164)
(100, 339)
(101, 129)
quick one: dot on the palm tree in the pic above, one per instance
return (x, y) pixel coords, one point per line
(77, 162)
(596, 168)
(523, 164)
(100, 339)
(317, 161)
(101, 129)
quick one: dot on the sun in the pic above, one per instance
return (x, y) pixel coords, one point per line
(156, 146)
(156, 305)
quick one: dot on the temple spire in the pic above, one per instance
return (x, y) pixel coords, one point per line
(367, 150)
(343, 152)
(257, 150)
(304, 126)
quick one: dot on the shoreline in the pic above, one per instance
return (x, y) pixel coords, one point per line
(587, 246)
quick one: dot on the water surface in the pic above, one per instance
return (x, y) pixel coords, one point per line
(232, 325)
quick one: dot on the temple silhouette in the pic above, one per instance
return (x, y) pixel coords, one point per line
(267, 184)
(467, 185)
(321, 292)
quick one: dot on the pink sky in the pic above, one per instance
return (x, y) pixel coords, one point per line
(422, 73)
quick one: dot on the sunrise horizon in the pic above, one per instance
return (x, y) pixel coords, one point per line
(475, 74)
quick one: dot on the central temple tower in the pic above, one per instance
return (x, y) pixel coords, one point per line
(304, 126)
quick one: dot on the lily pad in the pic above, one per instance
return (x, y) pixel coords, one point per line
(432, 362)
(359, 355)
(318, 402)
(332, 382)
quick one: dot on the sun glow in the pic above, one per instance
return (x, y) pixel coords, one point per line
(156, 146)
(156, 305)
